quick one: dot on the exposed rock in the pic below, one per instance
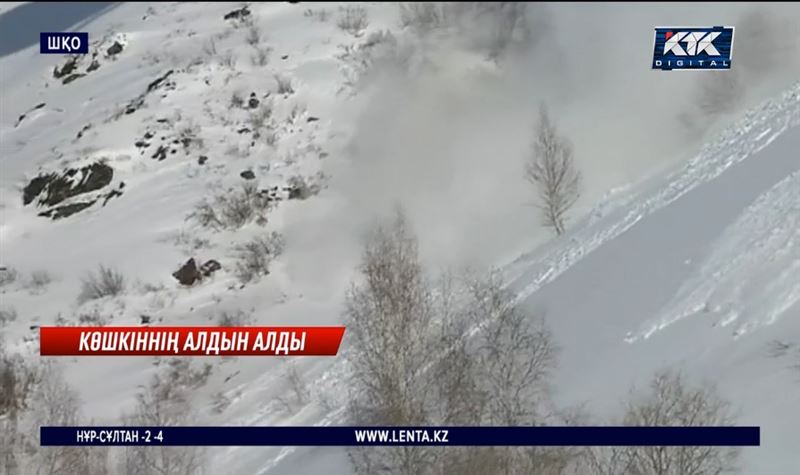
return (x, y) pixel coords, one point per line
(209, 267)
(64, 211)
(138, 102)
(95, 65)
(145, 319)
(237, 14)
(114, 49)
(243, 130)
(72, 77)
(112, 194)
(83, 130)
(188, 274)
(285, 57)
(161, 153)
(253, 102)
(312, 119)
(248, 175)
(66, 69)
(202, 160)
(158, 82)
(52, 188)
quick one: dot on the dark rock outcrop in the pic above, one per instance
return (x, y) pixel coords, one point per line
(209, 267)
(237, 14)
(53, 188)
(188, 274)
(114, 49)
(248, 175)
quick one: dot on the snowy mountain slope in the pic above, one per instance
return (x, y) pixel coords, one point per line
(639, 261)
(721, 225)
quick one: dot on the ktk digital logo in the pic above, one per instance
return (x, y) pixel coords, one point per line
(694, 48)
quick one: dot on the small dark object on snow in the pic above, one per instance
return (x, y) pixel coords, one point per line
(95, 65)
(312, 119)
(209, 267)
(248, 175)
(116, 48)
(237, 14)
(188, 274)
(72, 77)
(285, 56)
(202, 160)
(145, 319)
(243, 130)
(253, 102)
(161, 153)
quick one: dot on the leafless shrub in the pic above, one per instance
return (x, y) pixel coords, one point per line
(93, 318)
(210, 48)
(105, 282)
(7, 315)
(165, 402)
(422, 16)
(359, 60)
(254, 257)
(8, 275)
(353, 19)
(300, 188)
(228, 60)
(284, 84)
(237, 101)
(238, 318)
(233, 209)
(189, 136)
(260, 118)
(39, 280)
(253, 35)
(299, 393)
(671, 401)
(261, 56)
(551, 170)
(322, 15)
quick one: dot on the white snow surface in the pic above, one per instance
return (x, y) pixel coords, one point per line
(696, 267)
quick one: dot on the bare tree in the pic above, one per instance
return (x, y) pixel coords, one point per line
(165, 402)
(57, 404)
(390, 329)
(671, 401)
(513, 357)
(551, 170)
(415, 360)
(18, 379)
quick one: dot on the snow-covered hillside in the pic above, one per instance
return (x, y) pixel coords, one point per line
(690, 260)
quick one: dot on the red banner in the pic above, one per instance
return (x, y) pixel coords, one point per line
(190, 341)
